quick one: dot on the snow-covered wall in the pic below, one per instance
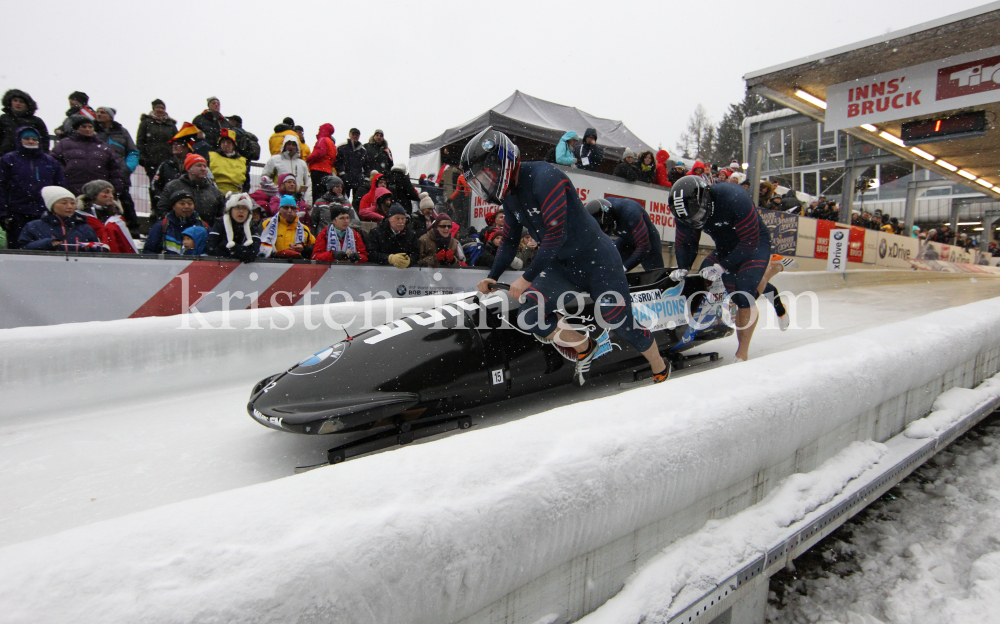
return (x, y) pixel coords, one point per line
(464, 527)
(135, 356)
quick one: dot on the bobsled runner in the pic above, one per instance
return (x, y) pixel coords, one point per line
(419, 375)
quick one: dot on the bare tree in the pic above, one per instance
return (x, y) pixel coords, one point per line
(696, 141)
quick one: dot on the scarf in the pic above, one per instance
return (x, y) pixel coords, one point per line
(334, 243)
(443, 242)
(270, 235)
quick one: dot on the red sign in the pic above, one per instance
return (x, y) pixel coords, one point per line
(856, 246)
(968, 78)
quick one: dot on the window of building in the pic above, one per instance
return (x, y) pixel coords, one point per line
(809, 182)
(806, 140)
(831, 182)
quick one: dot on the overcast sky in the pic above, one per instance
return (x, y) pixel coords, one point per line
(414, 69)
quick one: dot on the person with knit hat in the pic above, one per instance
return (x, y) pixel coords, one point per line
(209, 201)
(334, 196)
(626, 168)
(173, 168)
(235, 235)
(23, 174)
(284, 235)
(61, 228)
(97, 204)
(211, 121)
(167, 234)
(78, 106)
(423, 220)
(85, 157)
(115, 136)
(393, 241)
(156, 129)
(339, 242)
(438, 248)
(288, 161)
(228, 167)
(288, 187)
(378, 153)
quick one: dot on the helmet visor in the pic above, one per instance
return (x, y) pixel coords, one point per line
(697, 213)
(484, 182)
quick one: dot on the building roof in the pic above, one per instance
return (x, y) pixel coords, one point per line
(968, 31)
(534, 118)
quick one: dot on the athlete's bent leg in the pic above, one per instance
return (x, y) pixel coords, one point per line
(746, 318)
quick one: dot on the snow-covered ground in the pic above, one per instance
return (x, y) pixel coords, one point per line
(928, 553)
(540, 492)
(188, 434)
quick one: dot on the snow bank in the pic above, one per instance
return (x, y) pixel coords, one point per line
(697, 563)
(435, 532)
(950, 407)
(145, 351)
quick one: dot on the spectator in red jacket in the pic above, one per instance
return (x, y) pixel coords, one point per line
(339, 242)
(368, 199)
(380, 209)
(661, 168)
(322, 158)
(98, 205)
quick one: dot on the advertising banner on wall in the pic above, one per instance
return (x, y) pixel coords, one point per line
(805, 244)
(839, 240)
(895, 251)
(110, 288)
(784, 229)
(969, 79)
(856, 248)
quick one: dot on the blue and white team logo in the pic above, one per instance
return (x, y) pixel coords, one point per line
(488, 145)
(320, 361)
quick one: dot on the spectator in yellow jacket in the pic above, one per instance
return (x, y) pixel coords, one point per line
(228, 168)
(286, 128)
(284, 235)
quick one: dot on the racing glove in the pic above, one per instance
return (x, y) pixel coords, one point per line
(712, 273)
(400, 261)
(678, 275)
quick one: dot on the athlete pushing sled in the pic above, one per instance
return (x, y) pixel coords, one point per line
(574, 255)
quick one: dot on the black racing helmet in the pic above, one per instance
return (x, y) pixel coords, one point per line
(601, 210)
(691, 201)
(488, 162)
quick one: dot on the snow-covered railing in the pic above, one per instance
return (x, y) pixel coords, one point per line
(542, 519)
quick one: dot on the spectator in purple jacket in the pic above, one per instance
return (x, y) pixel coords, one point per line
(23, 174)
(86, 158)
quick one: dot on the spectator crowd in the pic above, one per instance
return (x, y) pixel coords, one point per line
(71, 190)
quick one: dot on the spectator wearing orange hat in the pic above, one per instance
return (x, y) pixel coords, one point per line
(209, 202)
(227, 166)
(173, 168)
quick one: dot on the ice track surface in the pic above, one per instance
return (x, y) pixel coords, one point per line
(82, 451)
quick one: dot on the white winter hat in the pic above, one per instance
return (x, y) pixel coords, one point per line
(399, 167)
(234, 200)
(52, 194)
(426, 201)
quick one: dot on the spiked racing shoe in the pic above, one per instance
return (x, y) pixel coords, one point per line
(583, 361)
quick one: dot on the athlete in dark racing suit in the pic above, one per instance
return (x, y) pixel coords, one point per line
(638, 241)
(742, 244)
(573, 255)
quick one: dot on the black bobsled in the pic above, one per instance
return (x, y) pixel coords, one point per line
(415, 376)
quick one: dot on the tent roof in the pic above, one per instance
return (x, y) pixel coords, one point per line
(530, 117)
